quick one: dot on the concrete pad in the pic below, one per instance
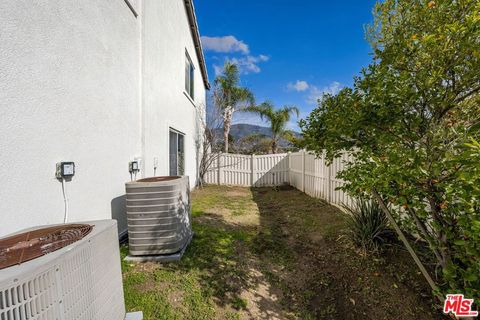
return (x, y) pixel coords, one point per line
(161, 257)
(134, 315)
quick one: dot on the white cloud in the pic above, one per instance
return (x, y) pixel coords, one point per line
(299, 85)
(238, 51)
(217, 69)
(316, 93)
(249, 64)
(263, 57)
(224, 44)
(246, 64)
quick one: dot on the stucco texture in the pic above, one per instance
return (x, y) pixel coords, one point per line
(74, 87)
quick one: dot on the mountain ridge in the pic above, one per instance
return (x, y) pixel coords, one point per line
(241, 130)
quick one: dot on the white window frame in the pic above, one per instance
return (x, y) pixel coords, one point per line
(189, 77)
(179, 158)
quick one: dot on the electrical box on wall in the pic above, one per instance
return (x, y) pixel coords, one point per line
(65, 169)
(133, 166)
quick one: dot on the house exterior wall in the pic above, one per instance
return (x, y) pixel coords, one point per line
(166, 104)
(72, 89)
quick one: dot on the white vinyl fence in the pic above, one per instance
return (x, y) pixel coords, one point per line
(244, 170)
(312, 176)
(301, 170)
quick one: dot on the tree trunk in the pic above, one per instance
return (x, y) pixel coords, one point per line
(227, 123)
(402, 237)
(426, 234)
(274, 146)
(441, 237)
(226, 130)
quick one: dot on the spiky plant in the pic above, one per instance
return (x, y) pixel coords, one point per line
(367, 225)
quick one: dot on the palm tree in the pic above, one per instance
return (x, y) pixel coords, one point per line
(230, 97)
(278, 119)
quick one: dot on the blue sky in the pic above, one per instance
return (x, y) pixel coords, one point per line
(288, 51)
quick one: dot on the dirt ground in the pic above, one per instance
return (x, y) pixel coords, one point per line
(275, 254)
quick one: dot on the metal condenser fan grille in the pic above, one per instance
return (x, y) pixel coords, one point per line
(36, 243)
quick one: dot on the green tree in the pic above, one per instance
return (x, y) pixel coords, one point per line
(277, 118)
(409, 121)
(254, 144)
(230, 97)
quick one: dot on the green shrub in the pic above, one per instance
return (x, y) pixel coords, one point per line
(367, 225)
(408, 121)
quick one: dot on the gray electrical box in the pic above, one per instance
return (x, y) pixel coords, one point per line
(65, 169)
(134, 166)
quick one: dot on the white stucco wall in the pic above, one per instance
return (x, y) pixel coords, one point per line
(71, 89)
(166, 104)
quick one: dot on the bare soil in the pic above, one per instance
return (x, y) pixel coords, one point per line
(277, 254)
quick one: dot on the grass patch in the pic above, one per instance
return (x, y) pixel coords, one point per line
(265, 253)
(208, 275)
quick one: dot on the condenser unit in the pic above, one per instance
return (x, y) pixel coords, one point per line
(63, 272)
(159, 216)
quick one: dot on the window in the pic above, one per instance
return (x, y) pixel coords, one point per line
(177, 153)
(189, 76)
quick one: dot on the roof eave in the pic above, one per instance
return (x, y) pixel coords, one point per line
(192, 21)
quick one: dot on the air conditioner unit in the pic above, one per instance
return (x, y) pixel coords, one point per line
(159, 217)
(82, 280)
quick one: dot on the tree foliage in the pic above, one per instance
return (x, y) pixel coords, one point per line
(277, 118)
(230, 97)
(209, 143)
(412, 120)
(253, 144)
